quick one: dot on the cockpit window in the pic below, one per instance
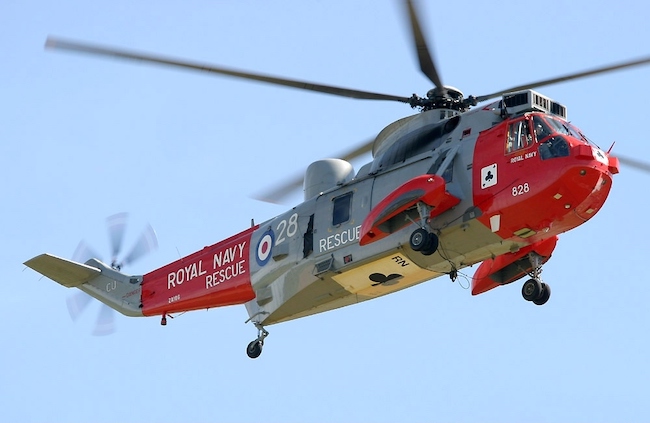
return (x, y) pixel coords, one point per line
(565, 128)
(542, 129)
(518, 136)
(553, 147)
(580, 135)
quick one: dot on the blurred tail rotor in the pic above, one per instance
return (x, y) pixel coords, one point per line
(116, 226)
(146, 243)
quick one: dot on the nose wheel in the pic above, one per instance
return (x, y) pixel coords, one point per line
(534, 289)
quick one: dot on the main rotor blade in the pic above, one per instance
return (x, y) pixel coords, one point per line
(569, 77)
(637, 164)
(284, 189)
(132, 55)
(292, 184)
(427, 65)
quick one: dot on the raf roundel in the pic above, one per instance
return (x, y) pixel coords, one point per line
(264, 246)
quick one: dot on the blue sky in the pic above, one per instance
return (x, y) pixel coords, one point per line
(83, 138)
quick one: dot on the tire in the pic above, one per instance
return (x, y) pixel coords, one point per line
(254, 349)
(531, 290)
(431, 245)
(544, 296)
(419, 239)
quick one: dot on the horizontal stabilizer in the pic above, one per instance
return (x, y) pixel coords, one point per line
(68, 273)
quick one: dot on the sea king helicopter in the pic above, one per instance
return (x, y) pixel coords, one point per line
(491, 179)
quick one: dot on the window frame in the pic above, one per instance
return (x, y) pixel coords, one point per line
(342, 208)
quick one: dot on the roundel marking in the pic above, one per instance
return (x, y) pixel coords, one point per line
(264, 247)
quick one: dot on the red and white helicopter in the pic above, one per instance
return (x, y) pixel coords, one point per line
(492, 179)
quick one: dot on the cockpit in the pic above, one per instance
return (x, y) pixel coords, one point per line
(549, 132)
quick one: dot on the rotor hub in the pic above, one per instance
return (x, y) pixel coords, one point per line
(446, 98)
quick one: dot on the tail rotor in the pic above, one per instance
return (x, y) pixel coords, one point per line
(146, 243)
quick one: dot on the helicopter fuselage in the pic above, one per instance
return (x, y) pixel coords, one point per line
(511, 183)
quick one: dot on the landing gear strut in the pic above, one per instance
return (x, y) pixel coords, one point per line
(534, 289)
(254, 348)
(421, 239)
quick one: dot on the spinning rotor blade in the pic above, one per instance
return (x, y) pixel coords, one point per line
(427, 64)
(131, 55)
(147, 242)
(292, 184)
(282, 190)
(105, 324)
(77, 303)
(116, 225)
(637, 164)
(569, 77)
(84, 252)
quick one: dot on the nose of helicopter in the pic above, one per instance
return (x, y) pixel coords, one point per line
(577, 186)
(592, 175)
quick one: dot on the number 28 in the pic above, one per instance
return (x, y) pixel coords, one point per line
(291, 228)
(520, 189)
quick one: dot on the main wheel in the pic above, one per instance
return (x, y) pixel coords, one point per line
(419, 239)
(531, 290)
(431, 245)
(254, 349)
(544, 296)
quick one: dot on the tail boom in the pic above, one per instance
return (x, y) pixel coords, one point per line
(117, 290)
(216, 276)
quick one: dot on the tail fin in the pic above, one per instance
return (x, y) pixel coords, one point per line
(117, 290)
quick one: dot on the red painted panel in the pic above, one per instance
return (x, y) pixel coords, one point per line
(430, 189)
(535, 197)
(218, 275)
(482, 281)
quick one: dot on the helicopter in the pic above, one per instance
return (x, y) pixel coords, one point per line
(491, 179)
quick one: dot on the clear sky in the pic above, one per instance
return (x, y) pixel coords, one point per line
(82, 138)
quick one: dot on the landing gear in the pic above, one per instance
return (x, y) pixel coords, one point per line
(424, 241)
(534, 289)
(421, 239)
(418, 239)
(544, 296)
(254, 348)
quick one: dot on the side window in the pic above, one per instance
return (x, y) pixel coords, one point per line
(518, 137)
(341, 211)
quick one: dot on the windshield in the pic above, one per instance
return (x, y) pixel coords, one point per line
(565, 128)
